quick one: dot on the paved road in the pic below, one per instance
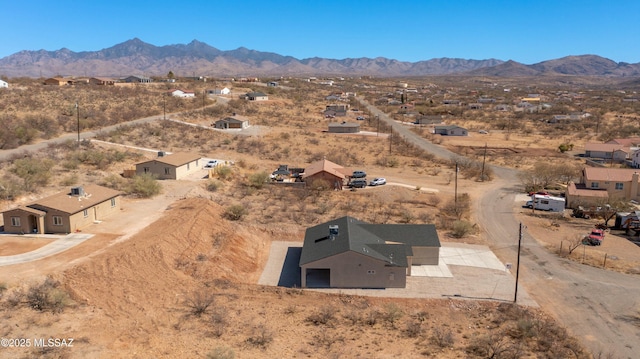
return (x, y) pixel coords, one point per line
(598, 306)
(55, 247)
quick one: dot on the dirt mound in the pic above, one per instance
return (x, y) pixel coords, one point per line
(153, 271)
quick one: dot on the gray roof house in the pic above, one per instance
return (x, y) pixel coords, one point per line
(450, 130)
(256, 96)
(349, 253)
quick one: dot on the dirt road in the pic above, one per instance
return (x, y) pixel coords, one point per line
(600, 307)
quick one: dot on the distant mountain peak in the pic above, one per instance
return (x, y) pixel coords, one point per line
(137, 56)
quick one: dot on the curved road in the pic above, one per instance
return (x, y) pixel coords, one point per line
(600, 307)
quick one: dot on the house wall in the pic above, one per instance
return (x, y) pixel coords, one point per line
(167, 171)
(344, 129)
(629, 190)
(49, 227)
(354, 270)
(98, 212)
(333, 180)
(425, 255)
(27, 222)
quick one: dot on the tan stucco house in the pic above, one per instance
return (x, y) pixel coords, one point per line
(235, 121)
(174, 166)
(349, 253)
(600, 184)
(64, 212)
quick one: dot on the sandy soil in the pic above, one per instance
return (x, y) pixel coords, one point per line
(10, 245)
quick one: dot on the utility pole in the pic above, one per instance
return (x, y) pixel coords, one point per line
(484, 159)
(164, 107)
(78, 118)
(390, 139)
(455, 191)
(515, 295)
(378, 130)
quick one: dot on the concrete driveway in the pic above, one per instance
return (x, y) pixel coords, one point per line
(465, 271)
(55, 247)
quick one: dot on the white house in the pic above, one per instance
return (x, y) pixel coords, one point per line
(181, 93)
(635, 158)
(3, 84)
(224, 91)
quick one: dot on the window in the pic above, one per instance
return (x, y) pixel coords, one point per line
(167, 171)
(619, 185)
(594, 185)
(85, 213)
(146, 169)
(113, 202)
(57, 220)
(15, 221)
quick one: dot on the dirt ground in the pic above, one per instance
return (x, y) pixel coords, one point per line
(134, 286)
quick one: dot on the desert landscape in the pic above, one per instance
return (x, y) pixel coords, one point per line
(175, 272)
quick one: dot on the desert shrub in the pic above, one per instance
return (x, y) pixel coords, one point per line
(261, 336)
(392, 313)
(113, 181)
(9, 188)
(34, 172)
(413, 328)
(457, 209)
(213, 185)
(442, 337)
(198, 302)
(70, 180)
(3, 288)
(323, 316)
(221, 353)
(258, 179)
(218, 321)
(47, 296)
(461, 229)
(235, 212)
(144, 185)
(223, 172)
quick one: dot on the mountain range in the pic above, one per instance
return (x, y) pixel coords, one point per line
(197, 58)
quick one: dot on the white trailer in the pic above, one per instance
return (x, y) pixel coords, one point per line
(547, 203)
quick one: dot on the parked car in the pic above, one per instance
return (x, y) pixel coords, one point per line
(379, 181)
(360, 118)
(483, 132)
(594, 238)
(358, 183)
(359, 174)
(212, 164)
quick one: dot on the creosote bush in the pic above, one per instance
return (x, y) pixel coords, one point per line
(47, 296)
(235, 212)
(144, 185)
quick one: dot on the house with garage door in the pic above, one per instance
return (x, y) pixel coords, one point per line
(349, 253)
(64, 212)
(235, 121)
(170, 166)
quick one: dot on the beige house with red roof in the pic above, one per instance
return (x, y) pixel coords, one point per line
(599, 185)
(174, 166)
(64, 212)
(326, 170)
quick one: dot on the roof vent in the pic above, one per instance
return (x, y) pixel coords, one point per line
(77, 191)
(333, 231)
(161, 154)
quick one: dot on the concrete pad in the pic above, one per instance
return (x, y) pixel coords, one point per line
(440, 271)
(60, 245)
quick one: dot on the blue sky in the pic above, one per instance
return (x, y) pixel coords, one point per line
(524, 31)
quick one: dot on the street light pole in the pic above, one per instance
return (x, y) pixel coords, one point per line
(78, 118)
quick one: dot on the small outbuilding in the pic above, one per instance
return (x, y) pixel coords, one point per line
(325, 170)
(344, 127)
(174, 166)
